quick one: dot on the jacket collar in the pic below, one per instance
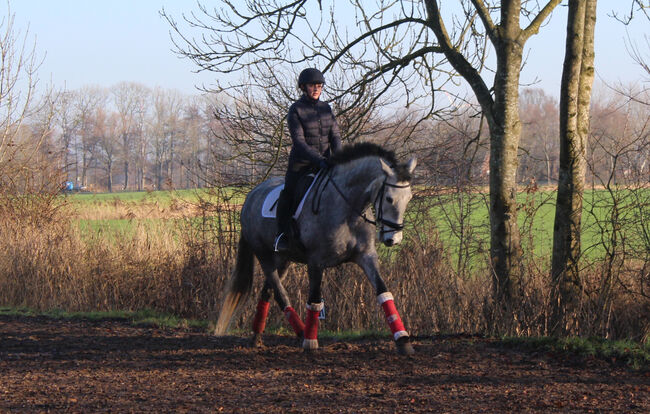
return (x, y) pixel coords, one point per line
(307, 99)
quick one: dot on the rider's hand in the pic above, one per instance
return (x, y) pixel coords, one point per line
(323, 164)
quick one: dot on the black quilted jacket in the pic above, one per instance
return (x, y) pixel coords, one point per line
(314, 132)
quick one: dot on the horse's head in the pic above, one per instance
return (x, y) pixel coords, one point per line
(392, 199)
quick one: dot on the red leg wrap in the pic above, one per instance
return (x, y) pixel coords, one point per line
(260, 317)
(294, 320)
(311, 326)
(392, 317)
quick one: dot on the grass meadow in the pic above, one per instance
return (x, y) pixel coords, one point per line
(457, 220)
(172, 252)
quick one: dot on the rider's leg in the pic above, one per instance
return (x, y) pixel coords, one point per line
(283, 218)
(283, 211)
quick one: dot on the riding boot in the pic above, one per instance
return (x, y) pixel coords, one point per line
(283, 218)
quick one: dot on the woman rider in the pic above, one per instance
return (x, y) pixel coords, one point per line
(315, 136)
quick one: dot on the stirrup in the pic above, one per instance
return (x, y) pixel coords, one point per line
(281, 243)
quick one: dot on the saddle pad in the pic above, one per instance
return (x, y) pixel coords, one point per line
(270, 205)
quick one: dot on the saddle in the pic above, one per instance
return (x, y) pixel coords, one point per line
(303, 188)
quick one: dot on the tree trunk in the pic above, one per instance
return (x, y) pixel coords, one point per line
(170, 160)
(141, 162)
(575, 96)
(125, 154)
(126, 175)
(547, 161)
(500, 105)
(110, 176)
(505, 131)
(159, 175)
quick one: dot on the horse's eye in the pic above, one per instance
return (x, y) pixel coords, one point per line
(389, 199)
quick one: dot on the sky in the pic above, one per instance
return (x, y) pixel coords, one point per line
(101, 43)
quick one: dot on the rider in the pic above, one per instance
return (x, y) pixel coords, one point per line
(315, 136)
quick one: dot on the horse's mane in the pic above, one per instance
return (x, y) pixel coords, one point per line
(359, 150)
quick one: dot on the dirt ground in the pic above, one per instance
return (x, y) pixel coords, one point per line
(49, 365)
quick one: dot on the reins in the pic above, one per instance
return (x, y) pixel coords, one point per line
(325, 179)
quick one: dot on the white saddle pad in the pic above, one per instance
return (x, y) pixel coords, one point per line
(270, 205)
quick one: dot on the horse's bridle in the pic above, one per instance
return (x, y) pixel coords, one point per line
(394, 227)
(380, 210)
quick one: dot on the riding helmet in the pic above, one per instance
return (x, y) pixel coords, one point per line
(310, 75)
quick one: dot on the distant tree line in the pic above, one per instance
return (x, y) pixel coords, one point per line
(131, 137)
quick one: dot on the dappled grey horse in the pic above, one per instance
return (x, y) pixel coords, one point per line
(336, 226)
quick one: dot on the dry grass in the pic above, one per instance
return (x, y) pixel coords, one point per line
(47, 264)
(119, 210)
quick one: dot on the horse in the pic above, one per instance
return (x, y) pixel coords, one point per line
(338, 226)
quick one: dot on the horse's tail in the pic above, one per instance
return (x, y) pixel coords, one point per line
(237, 288)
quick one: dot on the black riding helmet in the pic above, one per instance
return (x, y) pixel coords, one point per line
(310, 75)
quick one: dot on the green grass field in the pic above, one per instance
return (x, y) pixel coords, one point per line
(461, 221)
(161, 197)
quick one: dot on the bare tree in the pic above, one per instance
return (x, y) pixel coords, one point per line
(18, 80)
(89, 100)
(539, 144)
(107, 130)
(193, 146)
(619, 208)
(575, 98)
(639, 54)
(130, 99)
(164, 132)
(67, 125)
(401, 49)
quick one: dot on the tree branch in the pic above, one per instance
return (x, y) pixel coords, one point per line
(484, 14)
(533, 27)
(455, 58)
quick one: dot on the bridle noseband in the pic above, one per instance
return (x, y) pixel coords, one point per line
(380, 210)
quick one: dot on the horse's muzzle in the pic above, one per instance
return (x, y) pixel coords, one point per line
(391, 238)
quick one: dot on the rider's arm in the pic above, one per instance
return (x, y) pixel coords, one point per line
(335, 136)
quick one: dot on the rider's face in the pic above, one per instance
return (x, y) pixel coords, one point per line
(313, 90)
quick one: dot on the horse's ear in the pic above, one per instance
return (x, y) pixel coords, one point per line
(410, 165)
(387, 168)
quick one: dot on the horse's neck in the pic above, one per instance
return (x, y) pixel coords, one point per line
(359, 177)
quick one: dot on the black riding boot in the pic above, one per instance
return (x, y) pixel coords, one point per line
(283, 218)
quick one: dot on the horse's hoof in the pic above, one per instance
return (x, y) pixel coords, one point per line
(404, 347)
(256, 341)
(310, 345)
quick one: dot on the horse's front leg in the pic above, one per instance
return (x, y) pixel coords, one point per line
(369, 264)
(314, 306)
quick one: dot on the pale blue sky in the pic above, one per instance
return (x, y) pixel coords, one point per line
(104, 42)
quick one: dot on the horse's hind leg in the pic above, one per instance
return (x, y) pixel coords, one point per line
(273, 285)
(282, 298)
(259, 322)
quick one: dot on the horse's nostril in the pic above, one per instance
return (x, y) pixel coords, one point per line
(388, 242)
